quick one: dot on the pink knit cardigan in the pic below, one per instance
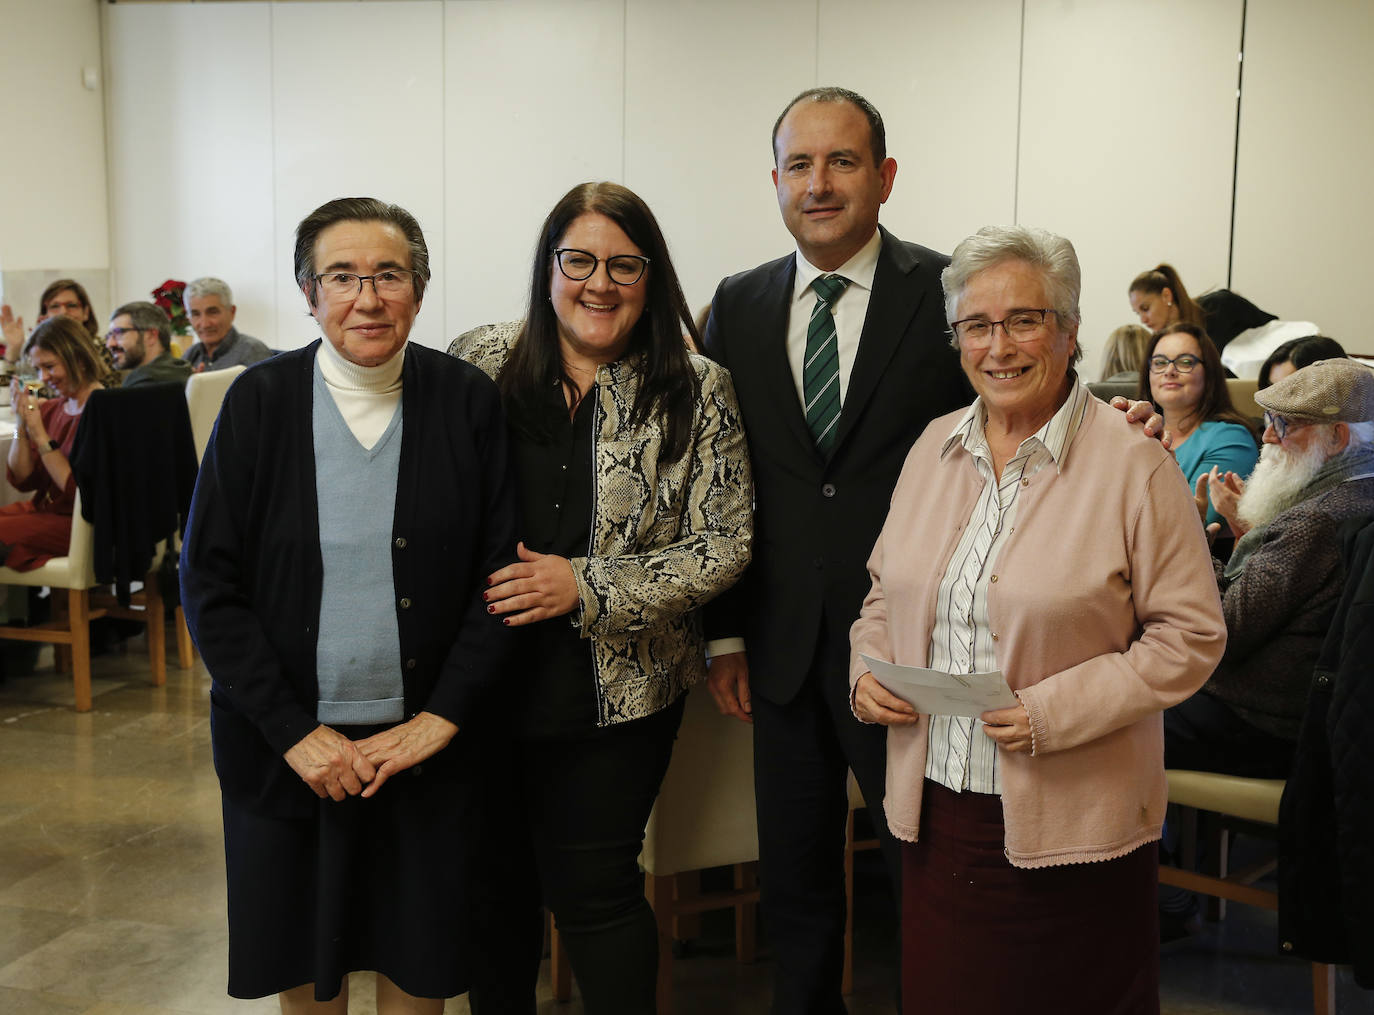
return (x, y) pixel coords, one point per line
(1105, 611)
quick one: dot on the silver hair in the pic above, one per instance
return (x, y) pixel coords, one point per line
(208, 286)
(1361, 434)
(990, 246)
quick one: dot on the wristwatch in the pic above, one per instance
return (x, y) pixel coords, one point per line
(53, 446)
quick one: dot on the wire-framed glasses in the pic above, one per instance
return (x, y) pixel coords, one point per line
(1020, 326)
(580, 265)
(345, 285)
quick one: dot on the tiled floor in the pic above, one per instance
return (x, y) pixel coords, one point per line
(112, 897)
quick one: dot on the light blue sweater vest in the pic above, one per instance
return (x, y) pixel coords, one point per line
(358, 656)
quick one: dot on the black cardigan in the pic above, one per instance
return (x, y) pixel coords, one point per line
(252, 571)
(1326, 819)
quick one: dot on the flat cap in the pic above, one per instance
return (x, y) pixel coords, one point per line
(1328, 391)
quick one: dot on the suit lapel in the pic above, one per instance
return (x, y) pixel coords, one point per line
(775, 304)
(891, 307)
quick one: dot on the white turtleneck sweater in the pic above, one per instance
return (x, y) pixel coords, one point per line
(366, 396)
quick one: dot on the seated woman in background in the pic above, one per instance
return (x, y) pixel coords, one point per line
(637, 500)
(1159, 299)
(64, 298)
(1294, 355)
(34, 530)
(1184, 378)
(1125, 353)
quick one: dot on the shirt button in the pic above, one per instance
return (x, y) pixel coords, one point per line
(993, 578)
(828, 490)
(400, 542)
(411, 663)
(405, 603)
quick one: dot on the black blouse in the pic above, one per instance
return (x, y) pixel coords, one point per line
(554, 662)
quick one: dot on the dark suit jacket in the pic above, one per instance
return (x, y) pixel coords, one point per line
(816, 519)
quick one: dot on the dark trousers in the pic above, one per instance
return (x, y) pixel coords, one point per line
(565, 830)
(802, 751)
(1204, 734)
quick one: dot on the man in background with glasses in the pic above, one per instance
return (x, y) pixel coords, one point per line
(139, 336)
(840, 358)
(1285, 576)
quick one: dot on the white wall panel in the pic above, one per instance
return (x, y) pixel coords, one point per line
(1127, 139)
(704, 81)
(911, 60)
(190, 124)
(533, 106)
(357, 110)
(1304, 213)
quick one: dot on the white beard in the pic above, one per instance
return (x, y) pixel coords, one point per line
(1278, 481)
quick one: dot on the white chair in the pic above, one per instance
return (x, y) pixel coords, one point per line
(69, 631)
(204, 395)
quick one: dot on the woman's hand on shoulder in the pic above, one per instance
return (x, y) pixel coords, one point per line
(536, 587)
(330, 764)
(875, 703)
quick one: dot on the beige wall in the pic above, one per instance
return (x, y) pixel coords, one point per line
(478, 114)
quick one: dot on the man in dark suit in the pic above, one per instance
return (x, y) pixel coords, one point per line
(840, 358)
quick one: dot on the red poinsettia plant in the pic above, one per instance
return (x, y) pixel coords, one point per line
(169, 297)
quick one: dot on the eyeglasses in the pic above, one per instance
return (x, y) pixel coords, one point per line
(580, 265)
(118, 333)
(389, 284)
(1184, 364)
(1281, 424)
(1020, 326)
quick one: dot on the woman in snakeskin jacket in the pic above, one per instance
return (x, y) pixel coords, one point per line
(637, 502)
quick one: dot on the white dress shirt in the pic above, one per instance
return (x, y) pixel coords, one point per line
(959, 755)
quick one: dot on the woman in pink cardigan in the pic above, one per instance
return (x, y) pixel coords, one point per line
(1037, 534)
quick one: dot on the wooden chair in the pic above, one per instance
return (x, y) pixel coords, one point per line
(69, 629)
(852, 845)
(1240, 799)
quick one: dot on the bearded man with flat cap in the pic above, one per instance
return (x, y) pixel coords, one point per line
(1285, 577)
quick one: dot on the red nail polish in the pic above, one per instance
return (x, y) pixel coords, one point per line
(491, 609)
(506, 621)
(484, 597)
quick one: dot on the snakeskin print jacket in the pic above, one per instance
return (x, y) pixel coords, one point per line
(666, 536)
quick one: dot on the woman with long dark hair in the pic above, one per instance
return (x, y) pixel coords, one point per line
(637, 499)
(1159, 299)
(1184, 378)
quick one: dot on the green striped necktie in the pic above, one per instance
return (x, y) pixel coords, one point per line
(821, 367)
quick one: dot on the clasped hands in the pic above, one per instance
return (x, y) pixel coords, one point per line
(335, 767)
(1009, 727)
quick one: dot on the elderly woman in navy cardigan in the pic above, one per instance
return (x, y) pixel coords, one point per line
(352, 501)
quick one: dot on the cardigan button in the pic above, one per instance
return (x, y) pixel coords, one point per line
(400, 542)
(993, 578)
(405, 603)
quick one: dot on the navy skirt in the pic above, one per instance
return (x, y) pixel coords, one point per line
(981, 937)
(380, 884)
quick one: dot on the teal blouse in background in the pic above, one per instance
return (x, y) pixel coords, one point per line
(1229, 446)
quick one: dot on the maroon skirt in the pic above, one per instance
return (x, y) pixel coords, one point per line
(981, 936)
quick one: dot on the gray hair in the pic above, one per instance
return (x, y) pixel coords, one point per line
(1361, 434)
(1053, 256)
(208, 287)
(358, 209)
(148, 317)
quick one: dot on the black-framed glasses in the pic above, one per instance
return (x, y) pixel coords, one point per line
(1281, 424)
(1184, 364)
(580, 265)
(346, 285)
(1020, 326)
(118, 333)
